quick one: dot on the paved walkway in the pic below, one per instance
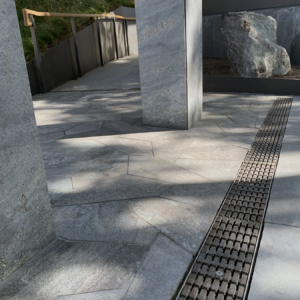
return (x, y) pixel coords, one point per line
(115, 75)
(125, 196)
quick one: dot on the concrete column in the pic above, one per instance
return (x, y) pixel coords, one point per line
(26, 223)
(170, 57)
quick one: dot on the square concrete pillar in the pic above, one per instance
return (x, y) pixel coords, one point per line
(170, 58)
(26, 222)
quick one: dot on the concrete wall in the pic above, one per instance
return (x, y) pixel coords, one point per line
(124, 11)
(288, 27)
(26, 224)
(220, 6)
(132, 38)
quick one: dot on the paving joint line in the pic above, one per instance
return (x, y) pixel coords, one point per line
(95, 90)
(150, 246)
(106, 201)
(225, 262)
(280, 224)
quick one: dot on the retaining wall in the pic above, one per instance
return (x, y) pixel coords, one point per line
(288, 27)
(211, 7)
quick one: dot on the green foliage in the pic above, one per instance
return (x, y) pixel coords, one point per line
(51, 30)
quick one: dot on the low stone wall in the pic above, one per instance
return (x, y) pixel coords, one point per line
(288, 27)
(267, 86)
(59, 63)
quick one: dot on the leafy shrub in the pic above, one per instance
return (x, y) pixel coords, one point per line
(50, 30)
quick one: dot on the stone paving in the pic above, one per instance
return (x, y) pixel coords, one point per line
(277, 270)
(131, 203)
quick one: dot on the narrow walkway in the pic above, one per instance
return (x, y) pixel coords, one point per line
(120, 74)
(132, 204)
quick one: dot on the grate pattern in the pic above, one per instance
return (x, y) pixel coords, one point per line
(223, 267)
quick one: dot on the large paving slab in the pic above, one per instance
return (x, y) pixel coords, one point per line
(146, 186)
(284, 205)
(103, 222)
(184, 224)
(161, 272)
(66, 268)
(277, 270)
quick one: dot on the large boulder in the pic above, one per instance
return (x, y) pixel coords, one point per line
(251, 44)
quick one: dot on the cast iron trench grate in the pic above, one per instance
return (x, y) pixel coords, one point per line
(224, 265)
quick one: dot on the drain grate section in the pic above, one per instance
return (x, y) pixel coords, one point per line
(224, 265)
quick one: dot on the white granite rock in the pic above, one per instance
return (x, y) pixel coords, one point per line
(250, 40)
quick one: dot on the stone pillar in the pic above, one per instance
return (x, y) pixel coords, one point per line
(26, 223)
(170, 58)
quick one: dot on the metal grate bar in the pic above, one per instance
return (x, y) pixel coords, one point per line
(224, 265)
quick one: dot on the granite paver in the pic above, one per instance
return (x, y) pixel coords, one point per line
(118, 187)
(277, 270)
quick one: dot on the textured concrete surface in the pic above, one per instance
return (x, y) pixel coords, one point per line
(287, 29)
(26, 223)
(170, 71)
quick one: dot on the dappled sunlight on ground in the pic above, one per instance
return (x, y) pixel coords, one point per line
(129, 199)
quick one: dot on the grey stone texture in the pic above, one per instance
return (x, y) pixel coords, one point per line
(66, 268)
(284, 206)
(170, 59)
(108, 222)
(161, 272)
(288, 27)
(26, 222)
(251, 45)
(277, 270)
(295, 51)
(132, 203)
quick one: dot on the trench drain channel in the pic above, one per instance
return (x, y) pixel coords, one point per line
(224, 265)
